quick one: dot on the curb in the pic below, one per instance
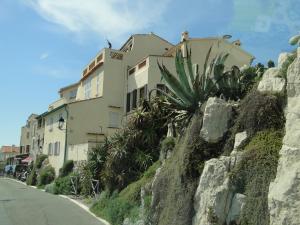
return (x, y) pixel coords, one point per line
(84, 207)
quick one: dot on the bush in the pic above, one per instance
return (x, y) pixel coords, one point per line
(118, 206)
(66, 169)
(112, 208)
(39, 160)
(32, 178)
(50, 188)
(47, 175)
(63, 185)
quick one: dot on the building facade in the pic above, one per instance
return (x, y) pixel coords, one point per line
(109, 90)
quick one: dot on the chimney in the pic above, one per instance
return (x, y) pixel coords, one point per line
(184, 36)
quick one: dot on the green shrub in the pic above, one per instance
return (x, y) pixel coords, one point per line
(32, 178)
(39, 160)
(50, 188)
(118, 206)
(63, 185)
(112, 208)
(47, 175)
(253, 174)
(66, 169)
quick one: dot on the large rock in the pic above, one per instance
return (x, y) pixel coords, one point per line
(282, 58)
(214, 196)
(237, 205)
(270, 81)
(284, 194)
(293, 79)
(217, 114)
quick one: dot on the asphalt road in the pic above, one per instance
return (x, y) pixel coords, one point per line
(22, 205)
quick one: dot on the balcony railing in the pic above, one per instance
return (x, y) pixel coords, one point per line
(100, 58)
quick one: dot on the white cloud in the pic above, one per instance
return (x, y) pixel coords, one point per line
(43, 56)
(106, 18)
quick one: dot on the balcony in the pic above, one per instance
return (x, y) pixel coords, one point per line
(98, 61)
(57, 103)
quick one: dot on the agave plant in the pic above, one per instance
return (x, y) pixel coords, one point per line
(189, 91)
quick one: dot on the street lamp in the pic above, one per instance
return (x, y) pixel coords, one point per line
(61, 123)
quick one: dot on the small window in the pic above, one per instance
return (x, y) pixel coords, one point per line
(114, 119)
(99, 58)
(27, 148)
(128, 102)
(27, 135)
(72, 94)
(134, 99)
(142, 64)
(131, 71)
(143, 93)
(51, 124)
(57, 148)
(92, 65)
(50, 149)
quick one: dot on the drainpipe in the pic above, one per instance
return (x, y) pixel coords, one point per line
(66, 134)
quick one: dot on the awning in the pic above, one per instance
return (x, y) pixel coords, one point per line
(27, 160)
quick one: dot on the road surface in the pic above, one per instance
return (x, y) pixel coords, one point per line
(22, 205)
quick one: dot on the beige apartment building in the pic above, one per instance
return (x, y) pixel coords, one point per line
(110, 87)
(145, 75)
(75, 125)
(32, 136)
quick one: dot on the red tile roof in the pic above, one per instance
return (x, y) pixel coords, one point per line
(10, 149)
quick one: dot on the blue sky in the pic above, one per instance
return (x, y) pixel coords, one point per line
(45, 44)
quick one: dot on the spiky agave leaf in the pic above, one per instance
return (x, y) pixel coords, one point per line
(179, 64)
(190, 65)
(175, 86)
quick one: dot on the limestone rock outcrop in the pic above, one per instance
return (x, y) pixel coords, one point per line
(217, 114)
(284, 194)
(282, 58)
(270, 81)
(215, 200)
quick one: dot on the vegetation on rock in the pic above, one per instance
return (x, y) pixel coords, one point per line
(252, 176)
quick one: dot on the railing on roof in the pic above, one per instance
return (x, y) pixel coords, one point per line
(100, 58)
(138, 67)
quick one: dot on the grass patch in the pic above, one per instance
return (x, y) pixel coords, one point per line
(118, 206)
(252, 176)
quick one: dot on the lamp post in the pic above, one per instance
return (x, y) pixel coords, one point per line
(61, 123)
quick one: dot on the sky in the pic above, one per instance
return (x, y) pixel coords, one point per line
(45, 44)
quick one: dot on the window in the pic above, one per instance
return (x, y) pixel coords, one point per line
(131, 71)
(134, 99)
(114, 119)
(51, 124)
(27, 148)
(143, 93)
(128, 102)
(72, 94)
(50, 149)
(27, 135)
(87, 88)
(34, 129)
(142, 64)
(57, 148)
(98, 84)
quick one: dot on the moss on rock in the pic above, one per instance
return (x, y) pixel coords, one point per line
(252, 176)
